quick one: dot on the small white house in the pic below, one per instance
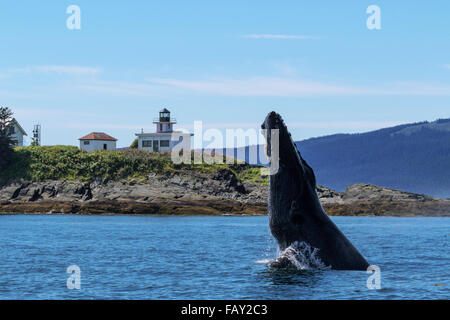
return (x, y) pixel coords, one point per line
(97, 141)
(162, 139)
(16, 133)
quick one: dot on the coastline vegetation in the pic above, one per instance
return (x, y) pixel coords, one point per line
(5, 140)
(40, 163)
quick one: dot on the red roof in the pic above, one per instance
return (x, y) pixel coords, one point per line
(98, 136)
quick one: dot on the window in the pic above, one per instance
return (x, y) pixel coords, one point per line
(105, 146)
(86, 143)
(12, 130)
(164, 143)
(160, 127)
(147, 143)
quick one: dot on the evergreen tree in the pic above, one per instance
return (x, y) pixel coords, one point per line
(134, 144)
(5, 138)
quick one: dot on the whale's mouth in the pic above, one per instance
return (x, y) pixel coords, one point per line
(279, 139)
(299, 256)
(287, 157)
(273, 121)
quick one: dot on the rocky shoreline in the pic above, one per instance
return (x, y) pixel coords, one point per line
(195, 193)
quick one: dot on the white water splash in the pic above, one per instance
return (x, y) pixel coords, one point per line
(299, 255)
(263, 261)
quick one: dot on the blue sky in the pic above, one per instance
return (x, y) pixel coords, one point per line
(226, 63)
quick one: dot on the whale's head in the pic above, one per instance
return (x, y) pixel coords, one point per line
(292, 186)
(282, 152)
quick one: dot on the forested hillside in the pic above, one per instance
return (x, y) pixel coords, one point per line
(413, 157)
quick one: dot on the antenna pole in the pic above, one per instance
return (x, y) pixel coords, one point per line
(36, 135)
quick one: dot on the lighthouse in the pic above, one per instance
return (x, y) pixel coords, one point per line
(162, 138)
(164, 123)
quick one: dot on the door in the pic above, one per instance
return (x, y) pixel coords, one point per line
(155, 145)
(105, 147)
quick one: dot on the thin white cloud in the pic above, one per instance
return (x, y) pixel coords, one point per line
(58, 69)
(345, 124)
(282, 86)
(244, 125)
(350, 125)
(119, 88)
(277, 36)
(285, 69)
(419, 88)
(69, 70)
(42, 113)
(290, 87)
(105, 126)
(259, 86)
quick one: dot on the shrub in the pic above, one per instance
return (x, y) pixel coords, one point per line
(36, 163)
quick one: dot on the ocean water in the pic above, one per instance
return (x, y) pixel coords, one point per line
(142, 257)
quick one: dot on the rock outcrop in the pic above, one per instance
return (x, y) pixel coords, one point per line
(187, 193)
(180, 193)
(366, 199)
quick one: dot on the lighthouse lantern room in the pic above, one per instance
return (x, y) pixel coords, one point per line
(164, 123)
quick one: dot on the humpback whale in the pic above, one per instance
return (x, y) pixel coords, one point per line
(296, 216)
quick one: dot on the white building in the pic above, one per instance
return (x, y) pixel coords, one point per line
(97, 141)
(163, 139)
(16, 133)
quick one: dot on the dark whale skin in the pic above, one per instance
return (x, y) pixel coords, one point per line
(295, 212)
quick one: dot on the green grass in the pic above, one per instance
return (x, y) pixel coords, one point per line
(253, 174)
(70, 163)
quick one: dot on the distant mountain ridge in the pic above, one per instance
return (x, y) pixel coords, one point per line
(411, 157)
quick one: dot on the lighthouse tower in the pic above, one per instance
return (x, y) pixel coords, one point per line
(164, 124)
(165, 138)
